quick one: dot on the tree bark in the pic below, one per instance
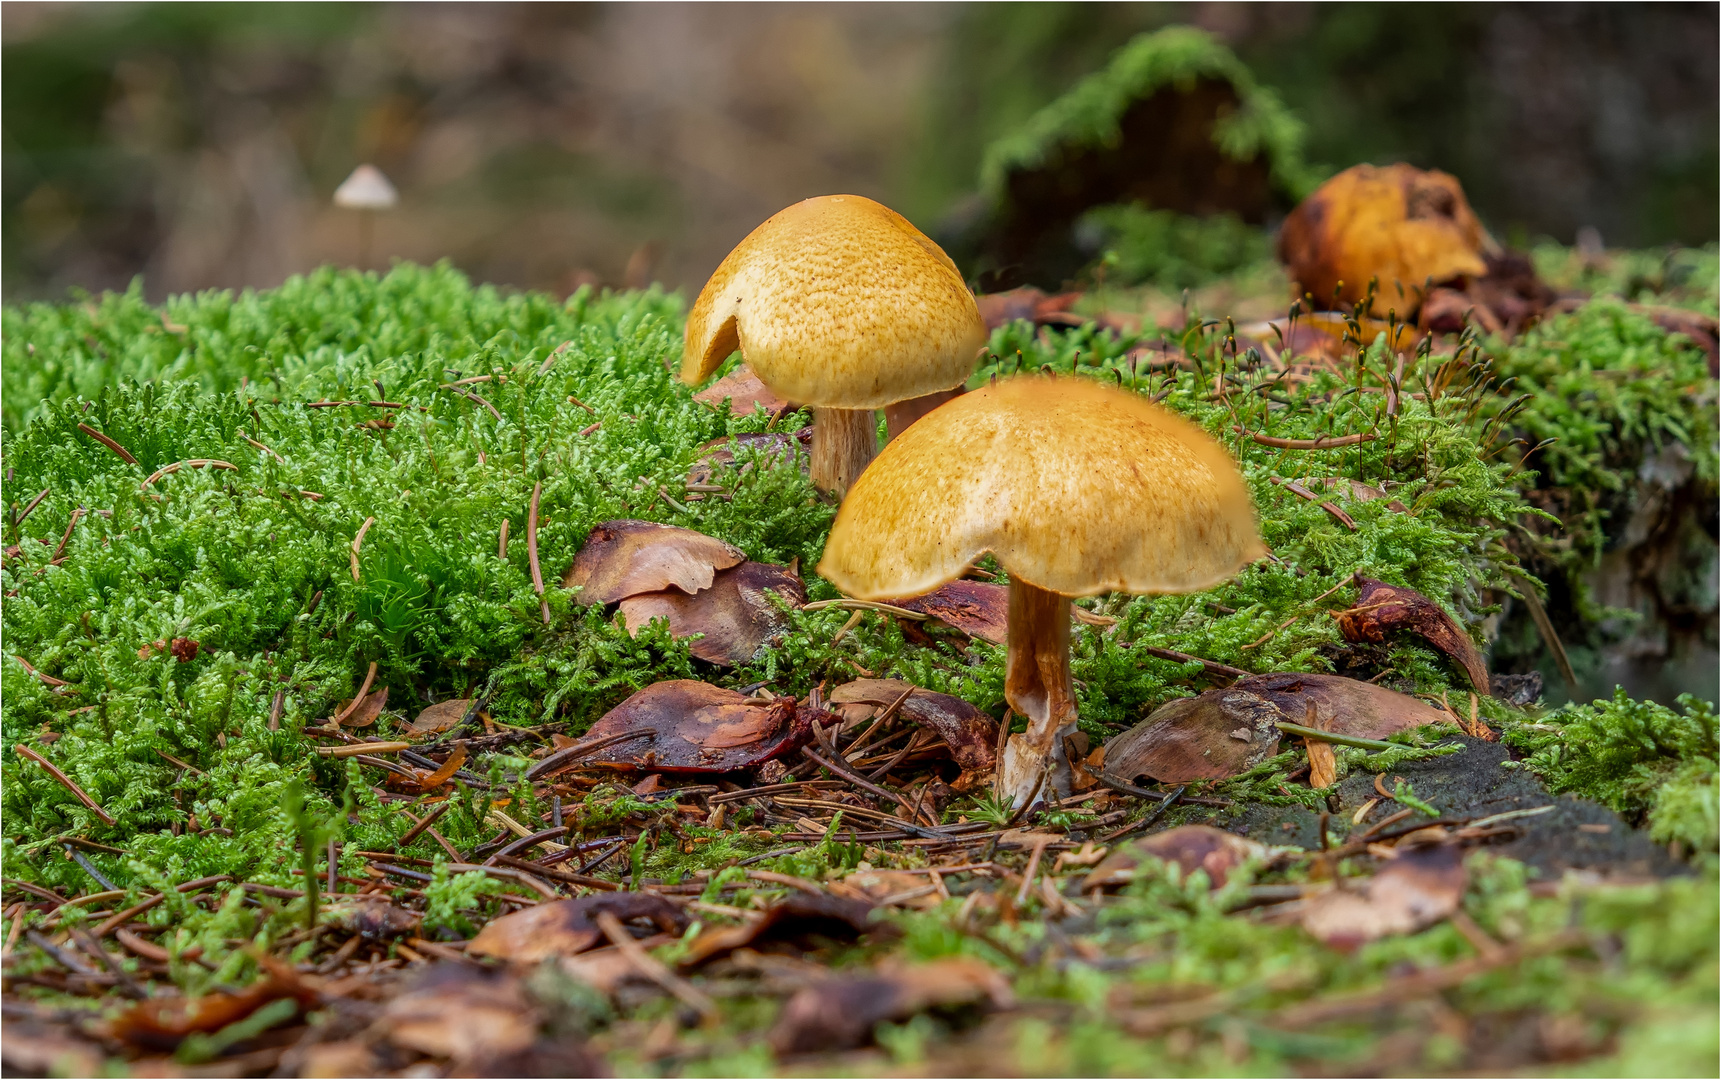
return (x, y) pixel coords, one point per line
(844, 442)
(1037, 685)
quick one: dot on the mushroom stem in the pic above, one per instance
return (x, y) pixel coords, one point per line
(844, 442)
(1037, 685)
(899, 415)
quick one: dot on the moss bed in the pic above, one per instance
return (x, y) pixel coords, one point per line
(200, 764)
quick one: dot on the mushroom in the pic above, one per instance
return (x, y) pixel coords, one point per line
(367, 190)
(838, 302)
(1077, 488)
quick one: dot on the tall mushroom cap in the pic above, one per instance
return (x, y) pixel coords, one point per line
(1076, 486)
(366, 189)
(837, 302)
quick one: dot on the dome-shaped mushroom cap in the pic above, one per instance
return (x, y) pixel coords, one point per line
(837, 302)
(1076, 486)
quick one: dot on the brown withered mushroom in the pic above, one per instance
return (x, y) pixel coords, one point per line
(1397, 224)
(840, 303)
(1077, 488)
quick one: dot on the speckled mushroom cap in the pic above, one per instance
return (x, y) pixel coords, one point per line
(837, 302)
(1076, 486)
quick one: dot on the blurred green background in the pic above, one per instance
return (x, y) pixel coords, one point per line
(549, 145)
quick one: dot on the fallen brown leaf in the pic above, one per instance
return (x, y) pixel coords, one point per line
(459, 1012)
(1213, 736)
(745, 392)
(840, 1013)
(441, 716)
(1415, 890)
(376, 919)
(162, 1023)
(776, 448)
(367, 711)
(1395, 224)
(1191, 847)
(702, 728)
(896, 888)
(736, 616)
(567, 927)
(1345, 706)
(624, 558)
(977, 608)
(797, 917)
(1382, 609)
(971, 735)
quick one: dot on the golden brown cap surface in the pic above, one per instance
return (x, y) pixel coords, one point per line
(1395, 223)
(1075, 486)
(837, 302)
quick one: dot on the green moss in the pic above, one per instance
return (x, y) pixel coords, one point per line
(1172, 251)
(1088, 114)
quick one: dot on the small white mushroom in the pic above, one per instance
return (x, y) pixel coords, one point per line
(367, 190)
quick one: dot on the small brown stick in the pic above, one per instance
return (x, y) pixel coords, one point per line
(124, 454)
(329, 404)
(19, 520)
(358, 749)
(589, 428)
(531, 881)
(275, 709)
(421, 824)
(550, 360)
(1304, 493)
(566, 756)
(60, 552)
(1325, 442)
(572, 400)
(474, 397)
(358, 540)
(260, 446)
(878, 723)
(1210, 667)
(119, 919)
(673, 505)
(532, 549)
(364, 688)
(857, 781)
(1268, 636)
(385, 404)
(502, 542)
(1033, 869)
(653, 969)
(48, 680)
(66, 782)
(189, 463)
(908, 748)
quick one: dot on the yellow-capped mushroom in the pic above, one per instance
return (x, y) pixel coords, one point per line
(840, 303)
(1077, 488)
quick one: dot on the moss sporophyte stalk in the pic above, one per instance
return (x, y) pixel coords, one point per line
(168, 646)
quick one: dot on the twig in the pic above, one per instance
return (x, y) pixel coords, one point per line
(59, 552)
(359, 749)
(536, 884)
(421, 824)
(90, 869)
(358, 540)
(473, 397)
(191, 463)
(568, 755)
(863, 784)
(1209, 666)
(653, 969)
(275, 708)
(66, 782)
(1544, 626)
(124, 454)
(502, 542)
(532, 549)
(1325, 442)
(865, 605)
(1325, 504)
(19, 520)
(364, 688)
(260, 446)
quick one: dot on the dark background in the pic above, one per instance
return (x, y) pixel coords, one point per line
(549, 145)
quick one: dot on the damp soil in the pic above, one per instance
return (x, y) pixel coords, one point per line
(1578, 835)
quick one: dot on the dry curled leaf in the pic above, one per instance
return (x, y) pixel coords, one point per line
(971, 735)
(1323, 765)
(745, 392)
(441, 716)
(701, 728)
(1395, 224)
(1345, 706)
(1415, 890)
(977, 608)
(376, 919)
(162, 1023)
(1191, 847)
(1382, 609)
(736, 617)
(366, 712)
(774, 448)
(624, 558)
(799, 918)
(896, 888)
(458, 1012)
(567, 927)
(840, 1013)
(1213, 736)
